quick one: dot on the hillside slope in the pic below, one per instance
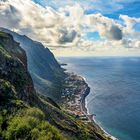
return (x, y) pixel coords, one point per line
(23, 114)
(20, 116)
(46, 73)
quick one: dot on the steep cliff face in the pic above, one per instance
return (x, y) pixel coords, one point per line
(13, 67)
(23, 114)
(43, 67)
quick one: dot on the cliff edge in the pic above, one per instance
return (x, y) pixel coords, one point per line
(23, 113)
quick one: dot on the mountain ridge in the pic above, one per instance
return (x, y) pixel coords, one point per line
(46, 72)
(23, 113)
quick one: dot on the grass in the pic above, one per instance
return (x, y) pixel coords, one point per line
(4, 52)
(2, 34)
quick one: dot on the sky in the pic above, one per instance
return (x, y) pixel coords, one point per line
(77, 27)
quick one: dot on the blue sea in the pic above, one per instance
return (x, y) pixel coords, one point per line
(115, 92)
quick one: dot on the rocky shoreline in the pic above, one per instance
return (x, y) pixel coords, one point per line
(74, 92)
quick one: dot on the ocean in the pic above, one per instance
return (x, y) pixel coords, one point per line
(115, 92)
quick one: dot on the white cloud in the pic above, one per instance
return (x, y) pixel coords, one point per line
(128, 27)
(67, 26)
(129, 21)
(106, 27)
(44, 24)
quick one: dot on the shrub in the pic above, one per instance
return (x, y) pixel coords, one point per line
(30, 125)
(20, 127)
(35, 112)
(7, 92)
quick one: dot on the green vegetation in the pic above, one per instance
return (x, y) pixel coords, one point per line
(29, 124)
(19, 121)
(24, 115)
(3, 34)
(3, 51)
(7, 92)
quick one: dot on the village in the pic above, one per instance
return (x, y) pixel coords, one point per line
(73, 97)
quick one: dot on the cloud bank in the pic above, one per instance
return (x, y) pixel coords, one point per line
(68, 26)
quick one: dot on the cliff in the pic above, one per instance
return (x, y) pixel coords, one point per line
(13, 67)
(25, 115)
(46, 73)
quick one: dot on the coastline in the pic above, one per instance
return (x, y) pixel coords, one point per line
(79, 108)
(90, 116)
